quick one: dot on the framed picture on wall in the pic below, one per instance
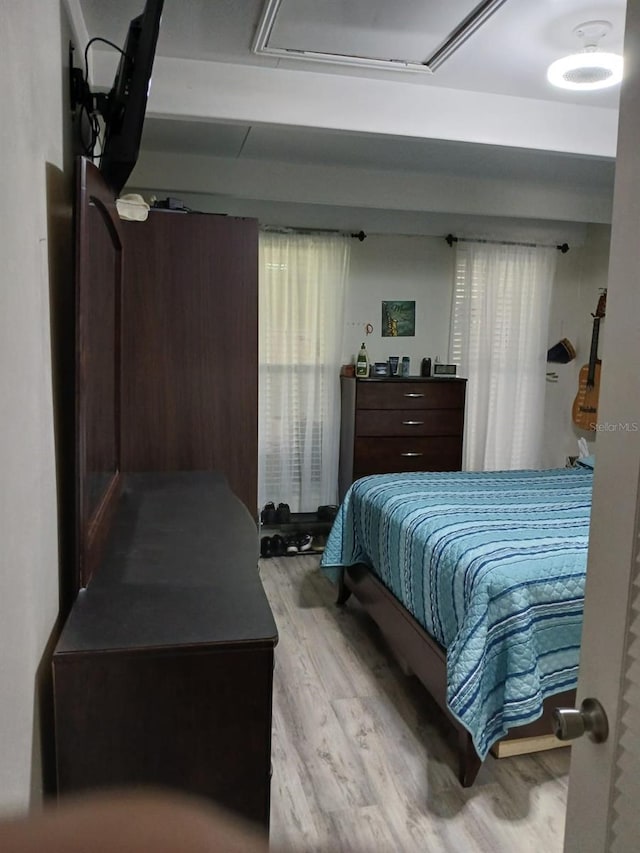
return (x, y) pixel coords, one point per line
(398, 319)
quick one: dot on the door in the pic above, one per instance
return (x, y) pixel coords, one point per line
(603, 810)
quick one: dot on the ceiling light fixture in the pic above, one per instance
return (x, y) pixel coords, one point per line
(590, 68)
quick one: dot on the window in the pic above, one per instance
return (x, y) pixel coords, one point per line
(301, 311)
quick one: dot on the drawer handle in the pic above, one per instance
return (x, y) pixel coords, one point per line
(412, 453)
(413, 394)
(412, 423)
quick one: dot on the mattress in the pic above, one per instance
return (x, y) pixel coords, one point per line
(492, 565)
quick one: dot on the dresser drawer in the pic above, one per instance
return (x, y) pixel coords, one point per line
(388, 455)
(433, 394)
(409, 422)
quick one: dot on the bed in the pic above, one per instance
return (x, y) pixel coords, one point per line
(477, 582)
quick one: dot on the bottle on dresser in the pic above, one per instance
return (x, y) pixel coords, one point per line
(362, 362)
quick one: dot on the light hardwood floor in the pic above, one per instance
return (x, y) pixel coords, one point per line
(362, 760)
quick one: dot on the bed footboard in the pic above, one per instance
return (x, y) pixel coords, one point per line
(418, 651)
(344, 593)
(423, 656)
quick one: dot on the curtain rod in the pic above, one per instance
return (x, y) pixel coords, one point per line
(285, 229)
(564, 247)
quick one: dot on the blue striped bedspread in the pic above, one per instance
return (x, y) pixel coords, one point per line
(492, 565)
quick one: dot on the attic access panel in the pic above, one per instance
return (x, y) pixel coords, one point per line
(406, 35)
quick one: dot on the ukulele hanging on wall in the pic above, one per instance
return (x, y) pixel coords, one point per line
(585, 405)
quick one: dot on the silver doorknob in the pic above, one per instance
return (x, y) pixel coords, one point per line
(569, 723)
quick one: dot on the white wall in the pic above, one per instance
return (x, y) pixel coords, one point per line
(32, 145)
(421, 268)
(241, 185)
(580, 276)
(386, 267)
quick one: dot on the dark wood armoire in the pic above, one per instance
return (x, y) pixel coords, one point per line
(190, 347)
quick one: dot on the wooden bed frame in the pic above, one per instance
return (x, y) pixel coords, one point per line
(420, 655)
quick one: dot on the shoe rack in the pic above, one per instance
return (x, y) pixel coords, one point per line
(300, 522)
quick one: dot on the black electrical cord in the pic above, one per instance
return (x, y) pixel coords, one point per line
(86, 53)
(90, 112)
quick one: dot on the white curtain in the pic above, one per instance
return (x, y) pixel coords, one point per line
(302, 281)
(499, 337)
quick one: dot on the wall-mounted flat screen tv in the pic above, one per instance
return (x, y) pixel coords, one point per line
(126, 103)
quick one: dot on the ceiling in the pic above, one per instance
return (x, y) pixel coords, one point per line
(501, 66)
(301, 145)
(508, 54)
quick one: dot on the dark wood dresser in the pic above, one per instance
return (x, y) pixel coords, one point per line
(163, 672)
(396, 425)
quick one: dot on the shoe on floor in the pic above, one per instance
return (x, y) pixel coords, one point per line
(292, 546)
(283, 514)
(305, 542)
(278, 546)
(265, 547)
(268, 514)
(327, 512)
